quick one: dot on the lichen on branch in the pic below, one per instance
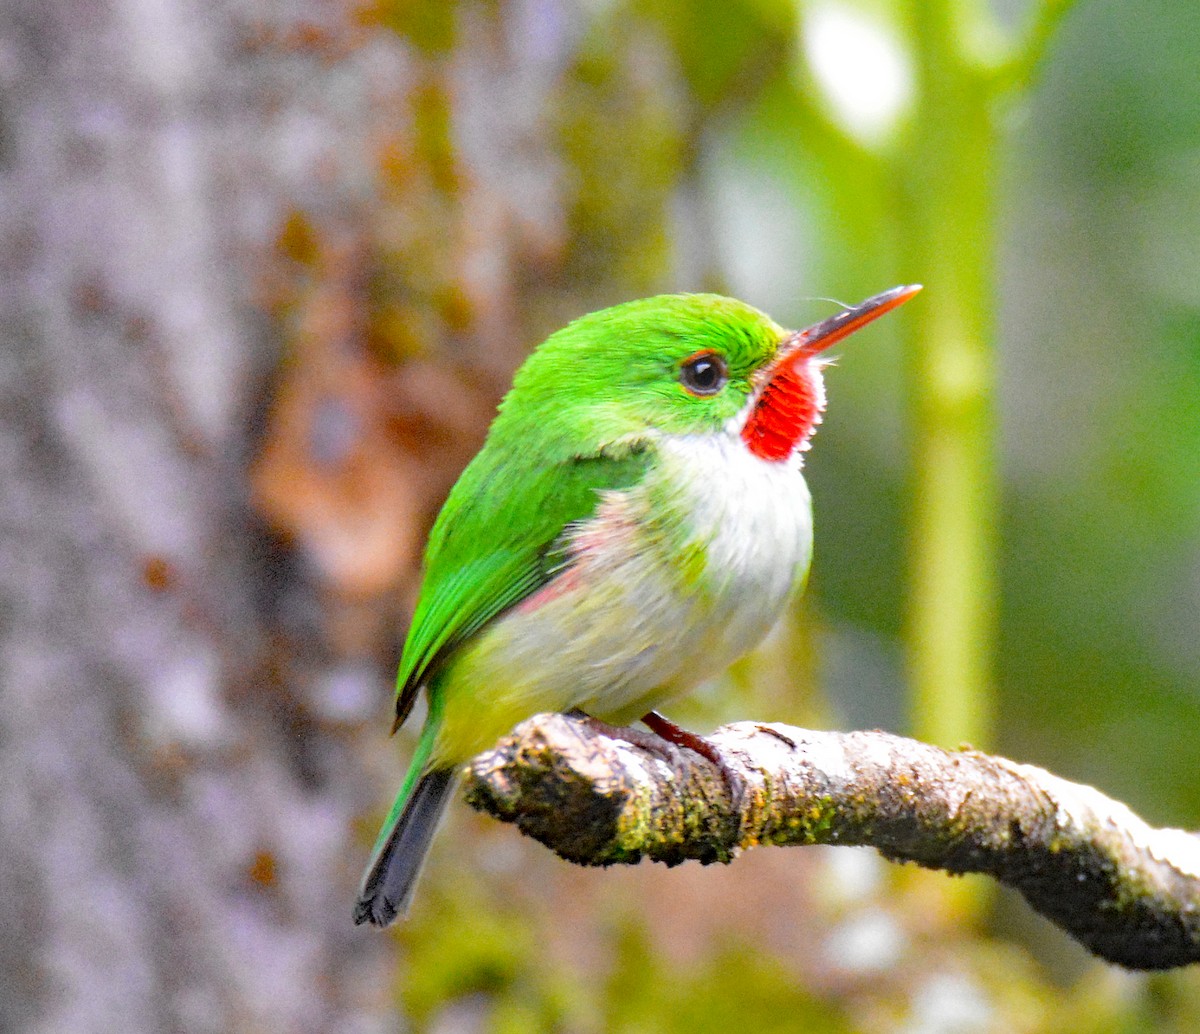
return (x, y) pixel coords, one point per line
(1127, 891)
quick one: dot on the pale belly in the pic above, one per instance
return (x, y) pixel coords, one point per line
(671, 583)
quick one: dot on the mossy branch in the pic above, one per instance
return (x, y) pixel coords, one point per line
(1128, 892)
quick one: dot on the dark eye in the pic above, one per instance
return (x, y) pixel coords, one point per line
(703, 373)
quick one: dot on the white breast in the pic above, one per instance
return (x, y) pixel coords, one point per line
(755, 519)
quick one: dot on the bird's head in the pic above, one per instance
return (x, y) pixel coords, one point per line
(683, 364)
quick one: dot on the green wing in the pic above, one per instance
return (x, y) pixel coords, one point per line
(495, 543)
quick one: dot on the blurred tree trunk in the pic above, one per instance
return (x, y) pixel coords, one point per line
(173, 831)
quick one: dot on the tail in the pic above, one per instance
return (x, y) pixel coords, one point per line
(404, 840)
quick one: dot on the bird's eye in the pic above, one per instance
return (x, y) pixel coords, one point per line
(704, 373)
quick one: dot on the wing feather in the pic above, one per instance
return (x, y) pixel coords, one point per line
(497, 540)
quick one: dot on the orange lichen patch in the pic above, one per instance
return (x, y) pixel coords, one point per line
(158, 573)
(262, 870)
(394, 160)
(297, 239)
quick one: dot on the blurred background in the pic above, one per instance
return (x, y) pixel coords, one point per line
(267, 269)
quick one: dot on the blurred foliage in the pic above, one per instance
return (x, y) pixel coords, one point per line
(1041, 177)
(735, 987)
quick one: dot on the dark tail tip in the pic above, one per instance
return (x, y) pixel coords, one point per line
(388, 885)
(377, 911)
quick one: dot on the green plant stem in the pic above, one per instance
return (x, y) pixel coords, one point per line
(947, 219)
(1020, 72)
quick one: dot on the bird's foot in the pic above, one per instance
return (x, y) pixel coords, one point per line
(662, 726)
(649, 742)
(663, 729)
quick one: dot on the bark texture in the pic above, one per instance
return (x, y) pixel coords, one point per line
(174, 853)
(1128, 892)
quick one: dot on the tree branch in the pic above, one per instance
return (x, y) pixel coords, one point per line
(1128, 892)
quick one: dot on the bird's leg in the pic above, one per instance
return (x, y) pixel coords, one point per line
(662, 726)
(647, 741)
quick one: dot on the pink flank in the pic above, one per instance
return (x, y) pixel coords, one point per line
(559, 585)
(589, 542)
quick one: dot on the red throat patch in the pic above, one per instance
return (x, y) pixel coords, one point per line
(786, 412)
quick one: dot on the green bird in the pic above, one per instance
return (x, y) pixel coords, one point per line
(636, 520)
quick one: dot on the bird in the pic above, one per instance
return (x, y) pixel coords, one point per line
(635, 521)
